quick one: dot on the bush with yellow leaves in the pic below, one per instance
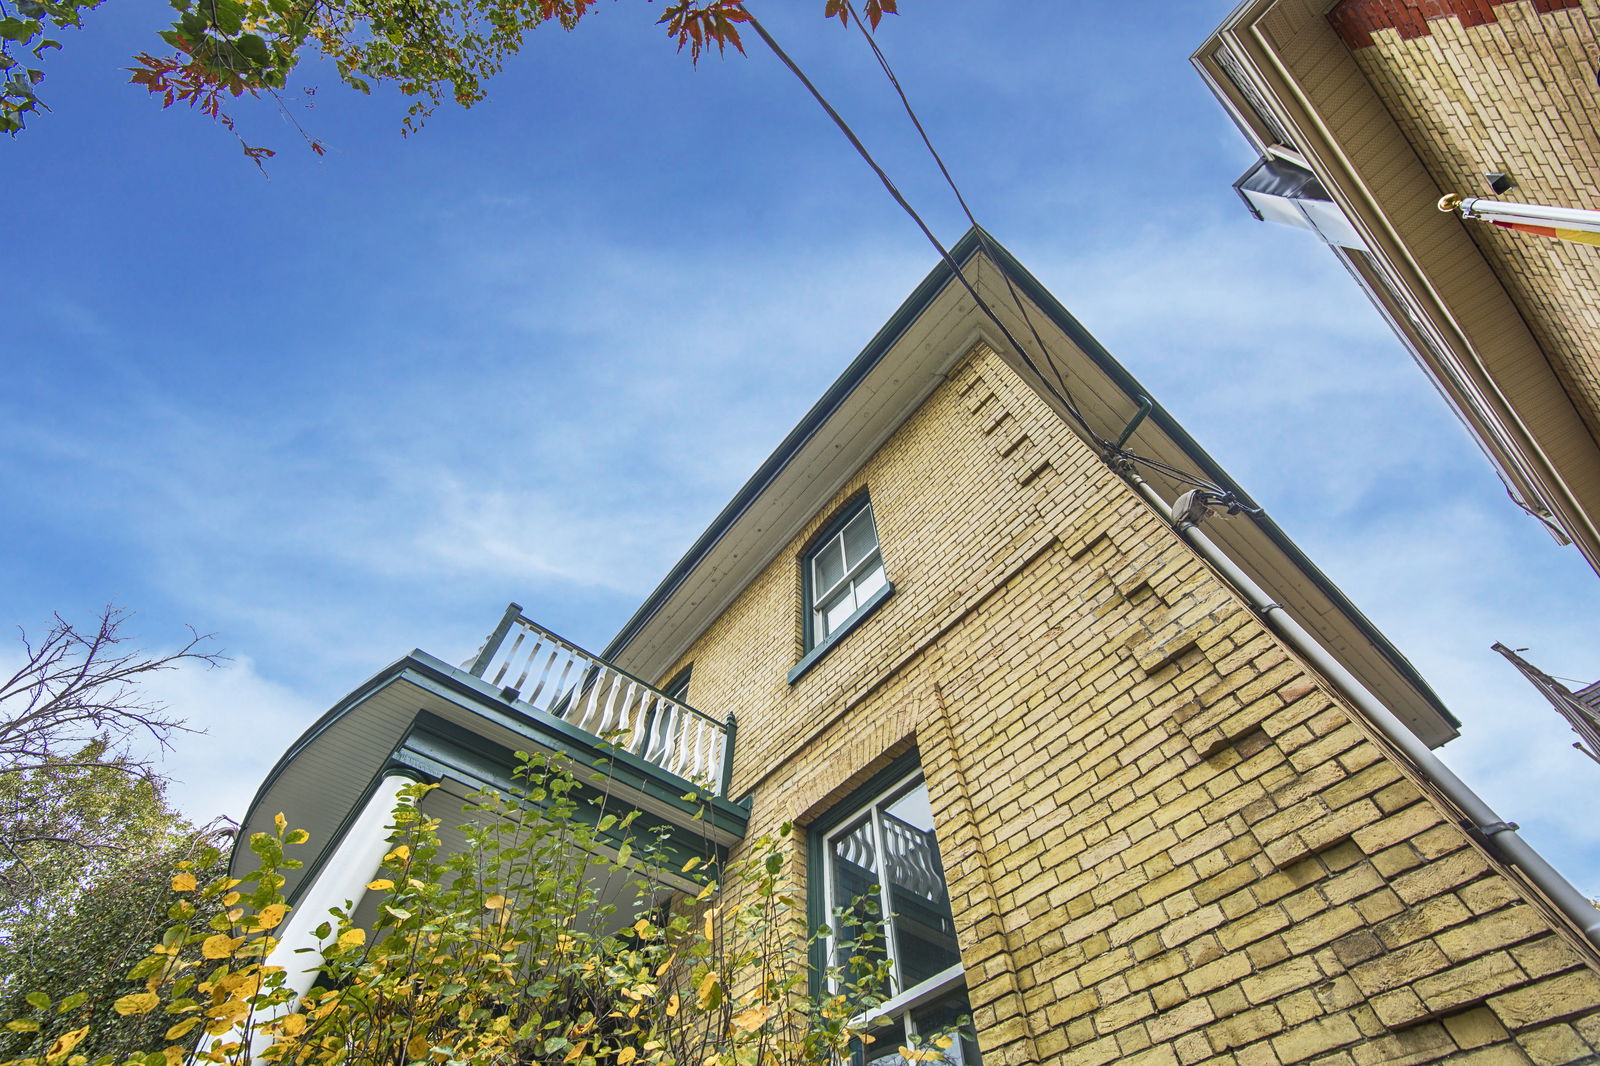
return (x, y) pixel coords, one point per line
(503, 953)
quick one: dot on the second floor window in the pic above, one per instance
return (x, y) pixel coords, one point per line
(843, 571)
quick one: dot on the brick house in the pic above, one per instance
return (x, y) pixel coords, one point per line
(1364, 114)
(1134, 785)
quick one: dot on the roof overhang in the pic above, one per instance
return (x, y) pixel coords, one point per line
(423, 717)
(886, 382)
(1421, 267)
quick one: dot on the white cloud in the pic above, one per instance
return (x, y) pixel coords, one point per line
(246, 721)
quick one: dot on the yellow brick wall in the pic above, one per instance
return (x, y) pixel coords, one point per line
(1166, 844)
(1518, 96)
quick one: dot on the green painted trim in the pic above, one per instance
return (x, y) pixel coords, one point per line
(583, 747)
(441, 748)
(816, 868)
(841, 518)
(862, 614)
(541, 729)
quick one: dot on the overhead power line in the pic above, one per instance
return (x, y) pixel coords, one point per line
(1058, 389)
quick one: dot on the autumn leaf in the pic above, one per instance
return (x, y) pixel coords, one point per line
(271, 915)
(183, 882)
(63, 1045)
(352, 938)
(748, 1021)
(220, 946)
(136, 1003)
(382, 884)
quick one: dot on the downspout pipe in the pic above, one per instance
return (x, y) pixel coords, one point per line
(1480, 821)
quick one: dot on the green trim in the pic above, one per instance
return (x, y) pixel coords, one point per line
(816, 862)
(841, 518)
(539, 727)
(862, 613)
(441, 748)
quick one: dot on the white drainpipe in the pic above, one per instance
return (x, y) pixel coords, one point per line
(1481, 820)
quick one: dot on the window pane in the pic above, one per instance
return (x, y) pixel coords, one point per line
(836, 612)
(885, 1047)
(869, 582)
(950, 1016)
(853, 867)
(924, 931)
(829, 569)
(859, 537)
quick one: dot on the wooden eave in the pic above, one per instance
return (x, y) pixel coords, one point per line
(886, 383)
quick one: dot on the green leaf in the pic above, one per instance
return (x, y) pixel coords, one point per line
(38, 999)
(15, 29)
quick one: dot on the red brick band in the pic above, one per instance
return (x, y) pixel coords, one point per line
(1355, 20)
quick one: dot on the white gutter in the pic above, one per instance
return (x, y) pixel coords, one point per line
(1480, 821)
(1525, 214)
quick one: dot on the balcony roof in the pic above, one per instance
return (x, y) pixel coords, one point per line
(422, 715)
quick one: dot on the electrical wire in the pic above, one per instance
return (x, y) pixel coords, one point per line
(1059, 390)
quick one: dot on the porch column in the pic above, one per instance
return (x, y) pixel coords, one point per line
(344, 876)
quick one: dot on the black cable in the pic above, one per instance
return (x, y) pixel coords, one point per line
(1062, 395)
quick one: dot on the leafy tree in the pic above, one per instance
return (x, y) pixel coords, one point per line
(74, 792)
(88, 942)
(504, 953)
(431, 50)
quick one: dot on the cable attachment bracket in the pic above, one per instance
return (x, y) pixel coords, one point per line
(1484, 835)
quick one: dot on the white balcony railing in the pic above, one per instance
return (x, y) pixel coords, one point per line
(529, 663)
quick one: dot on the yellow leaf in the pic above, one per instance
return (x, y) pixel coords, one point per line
(943, 1042)
(177, 1031)
(271, 915)
(67, 1041)
(711, 928)
(280, 821)
(625, 1056)
(173, 1055)
(295, 1024)
(708, 992)
(403, 852)
(672, 1005)
(494, 902)
(230, 899)
(220, 946)
(641, 927)
(183, 882)
(691, 864)
(23, 1025)
(417, 1046)
(352, 938)
(749, 1021)
(137, 1003)
(382, 884)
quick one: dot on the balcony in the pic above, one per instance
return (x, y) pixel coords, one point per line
(531, 665)
(461, 728)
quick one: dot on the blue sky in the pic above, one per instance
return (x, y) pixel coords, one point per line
(355, 406)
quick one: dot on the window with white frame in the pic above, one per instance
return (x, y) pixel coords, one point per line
(887, 902)
(843, 571)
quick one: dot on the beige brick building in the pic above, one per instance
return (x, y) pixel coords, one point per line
(1365, 113)
(1112, 805)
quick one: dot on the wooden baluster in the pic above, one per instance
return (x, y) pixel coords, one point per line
(556, 689)
(527, 665)
(505, 663)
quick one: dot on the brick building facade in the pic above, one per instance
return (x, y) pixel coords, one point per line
(1390, 104)
(1112, 813)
